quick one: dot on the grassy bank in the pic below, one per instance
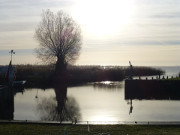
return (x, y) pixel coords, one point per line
(43, 74)
(176, 78)
(37, 129)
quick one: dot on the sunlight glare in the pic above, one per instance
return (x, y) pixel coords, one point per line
(102, 118)
(103, 17)
(106, 82)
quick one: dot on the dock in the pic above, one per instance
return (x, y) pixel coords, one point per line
(152, 89)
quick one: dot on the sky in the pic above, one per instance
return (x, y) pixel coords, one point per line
(114, 32)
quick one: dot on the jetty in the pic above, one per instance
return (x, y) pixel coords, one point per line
(152, 89)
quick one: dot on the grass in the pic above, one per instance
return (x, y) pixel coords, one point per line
(177, 78)
(37, 129)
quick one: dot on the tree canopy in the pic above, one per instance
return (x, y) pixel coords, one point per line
(59, 38)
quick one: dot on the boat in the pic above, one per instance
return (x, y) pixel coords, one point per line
(10, 76)
(18, 84)
(2, 87)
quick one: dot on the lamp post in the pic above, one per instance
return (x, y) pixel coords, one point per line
(12, 52)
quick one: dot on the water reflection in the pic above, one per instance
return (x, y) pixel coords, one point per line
(85, 103)
(108, 85)
(59, 108)
(131, 107)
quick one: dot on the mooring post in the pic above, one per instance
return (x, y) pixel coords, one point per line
(130, 71)
(88, 127)
(65, 131)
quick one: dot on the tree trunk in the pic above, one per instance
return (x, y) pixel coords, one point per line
(60, 72)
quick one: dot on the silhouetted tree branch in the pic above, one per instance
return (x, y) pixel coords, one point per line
(59, 38)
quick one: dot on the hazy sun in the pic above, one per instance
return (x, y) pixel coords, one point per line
(103, 17)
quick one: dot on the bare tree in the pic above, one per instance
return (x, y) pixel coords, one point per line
(59, 38)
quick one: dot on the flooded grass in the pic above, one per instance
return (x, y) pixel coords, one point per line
(37, 129)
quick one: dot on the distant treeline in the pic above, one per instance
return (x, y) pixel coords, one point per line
(44, 74)
(81, 74)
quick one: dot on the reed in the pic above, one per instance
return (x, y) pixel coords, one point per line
(44, 74)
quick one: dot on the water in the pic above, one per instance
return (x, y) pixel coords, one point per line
(95, 102)
(170, 70)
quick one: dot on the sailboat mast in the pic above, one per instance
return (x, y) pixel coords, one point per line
(12, 52)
